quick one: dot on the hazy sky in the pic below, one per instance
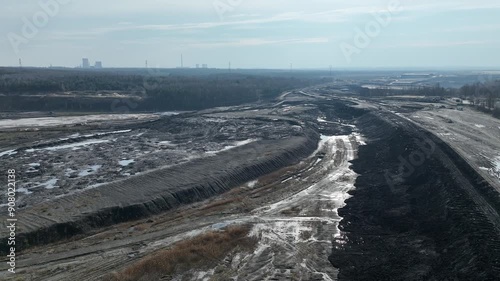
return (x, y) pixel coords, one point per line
(251, 33)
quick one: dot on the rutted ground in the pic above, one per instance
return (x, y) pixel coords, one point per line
(295, 234)
(293, 213)
(475, 135)
(437, 222)
(93, 156)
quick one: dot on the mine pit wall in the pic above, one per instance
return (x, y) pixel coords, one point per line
(428, 225)
(158, 191)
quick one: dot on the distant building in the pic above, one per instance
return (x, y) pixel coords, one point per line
(85, 63)
(98, 64)
(197, 66)
(204, 65)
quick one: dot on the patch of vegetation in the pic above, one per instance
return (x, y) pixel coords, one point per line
(201, 252)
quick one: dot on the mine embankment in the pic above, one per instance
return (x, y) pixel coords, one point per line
(159, 190)
(419, 211)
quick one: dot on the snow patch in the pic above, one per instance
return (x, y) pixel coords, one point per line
(8, 152)
(68, 120)
(252, 184)
(50, 184)
(23, 190)
(495, 171)
(234, 145)
(125, 163)
(73, 146)
(90, 170)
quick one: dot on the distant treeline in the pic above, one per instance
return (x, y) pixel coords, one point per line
(436, 91)
(79, 91)
(485, 96)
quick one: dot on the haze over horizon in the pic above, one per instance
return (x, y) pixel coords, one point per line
(252, 34)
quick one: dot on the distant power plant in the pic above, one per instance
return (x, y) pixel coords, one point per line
(202, 66)
(86, 64)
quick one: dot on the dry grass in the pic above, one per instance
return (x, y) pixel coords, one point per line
(203, 251)
(222, 203)
(294, 211)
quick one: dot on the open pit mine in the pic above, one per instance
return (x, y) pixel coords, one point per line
(309, 186)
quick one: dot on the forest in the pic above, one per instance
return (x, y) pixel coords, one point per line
(99, 91)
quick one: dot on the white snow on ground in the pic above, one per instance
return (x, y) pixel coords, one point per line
(402, 115)
(21, 190)
(68, 120)
(495, 170)
(360, 139)
(8, 153)
(50, 184)
(73, 146)
(90, 170)
(234, 145)
(77, 135)
(169, 113)
(479, 126)
(321, 120)
(33, 167)
(125, 163)
(252, 184)
(107, 133)
(68, 172)
(281, 235)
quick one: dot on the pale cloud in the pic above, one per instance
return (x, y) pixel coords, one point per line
(470, 28)
(290, 28)
(259, 42)
(434, 44)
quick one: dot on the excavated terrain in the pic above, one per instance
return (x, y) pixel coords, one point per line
(419, 211)
(330, 189)
(213, 162)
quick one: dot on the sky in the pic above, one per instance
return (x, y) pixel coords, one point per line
(252, 33)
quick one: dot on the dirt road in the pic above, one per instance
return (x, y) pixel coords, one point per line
(293, 213)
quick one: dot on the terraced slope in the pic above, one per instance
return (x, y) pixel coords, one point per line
(157, 191)
(419, 211)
